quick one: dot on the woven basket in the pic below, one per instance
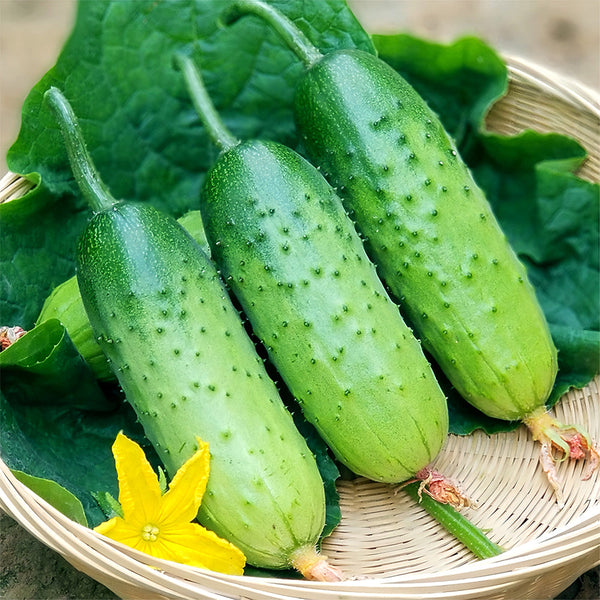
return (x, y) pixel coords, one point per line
(386, 543)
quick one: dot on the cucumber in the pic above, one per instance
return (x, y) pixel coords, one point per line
(289, 253)
(426, 223)
(65, 304)
(431, 232)
(180, 351)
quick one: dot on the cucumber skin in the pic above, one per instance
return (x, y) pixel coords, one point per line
(430, 230)
(65, 304)
(178, 347)
(288, 251)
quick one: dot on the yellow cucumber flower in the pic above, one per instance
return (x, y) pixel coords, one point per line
(159, 524)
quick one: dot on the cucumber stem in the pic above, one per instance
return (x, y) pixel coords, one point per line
(287, 30)
(314, 566)
(210, 118)
(455, 523)
(87, 177)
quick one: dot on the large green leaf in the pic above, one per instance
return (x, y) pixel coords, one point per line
(141, 129)
(68, 446)
(37, 250)
(57, 423)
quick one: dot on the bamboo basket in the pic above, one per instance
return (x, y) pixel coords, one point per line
(387, 545)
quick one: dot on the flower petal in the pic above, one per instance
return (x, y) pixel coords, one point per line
(181, 502)
(196, 546)
(121, 531)
(139, 490)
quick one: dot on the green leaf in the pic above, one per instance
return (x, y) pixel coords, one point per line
(578, 358)
(52, 410)
(38, 245)
(70, 447)
(141, 129)
(54, 494)
(44, 364)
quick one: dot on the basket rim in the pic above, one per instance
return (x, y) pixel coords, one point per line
(569, 89)
(133, 567)
(554, 548)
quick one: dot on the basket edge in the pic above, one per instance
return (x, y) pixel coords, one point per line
(571, 90)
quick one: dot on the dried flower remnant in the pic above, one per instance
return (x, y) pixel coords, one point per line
(9, 335)
(441, 488)
(571, 440)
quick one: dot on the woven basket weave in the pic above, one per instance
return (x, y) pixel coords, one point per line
(389, 547)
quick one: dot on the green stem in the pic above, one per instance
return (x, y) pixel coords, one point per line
(455, 523)
(92, 187)
(287, 30)
(215, 127)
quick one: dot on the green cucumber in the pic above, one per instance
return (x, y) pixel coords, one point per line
(426, 223)
(431, 231)
(65, 304)
(280, 236)
(432, 234)
(180, 351)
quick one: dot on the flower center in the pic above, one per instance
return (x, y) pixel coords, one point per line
(150, 533)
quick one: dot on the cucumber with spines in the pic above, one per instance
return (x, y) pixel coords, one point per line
(430, 230)
(182, 356)
(292, 257)
(64, 303)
